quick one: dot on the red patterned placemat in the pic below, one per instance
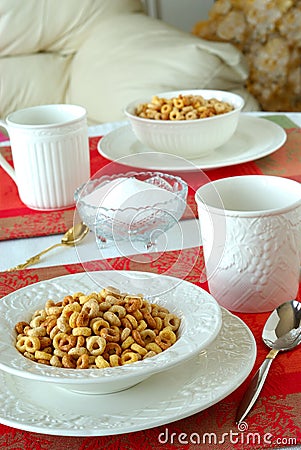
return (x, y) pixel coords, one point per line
(18, 221)
(274, 422)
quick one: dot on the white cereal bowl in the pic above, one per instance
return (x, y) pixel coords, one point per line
(187, 138)
(200, 323)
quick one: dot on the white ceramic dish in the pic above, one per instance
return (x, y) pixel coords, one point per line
(192, 137)
(254, 138)
(200, 323)
(172, 395)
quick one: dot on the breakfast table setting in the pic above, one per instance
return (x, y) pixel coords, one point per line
(202, 393)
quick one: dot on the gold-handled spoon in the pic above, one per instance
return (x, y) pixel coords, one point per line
(74, 235)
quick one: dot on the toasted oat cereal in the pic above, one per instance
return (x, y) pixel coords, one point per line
(183, 107)
(97, 330)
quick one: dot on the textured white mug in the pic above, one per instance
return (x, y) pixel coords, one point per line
(50, 151)
(251, 233)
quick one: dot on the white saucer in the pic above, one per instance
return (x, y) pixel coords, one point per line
(254, 138)
(172, 395)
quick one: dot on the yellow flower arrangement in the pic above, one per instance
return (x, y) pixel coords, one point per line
(268, 32)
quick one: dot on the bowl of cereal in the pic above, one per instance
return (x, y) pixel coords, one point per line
(104, 331)
(189, 123)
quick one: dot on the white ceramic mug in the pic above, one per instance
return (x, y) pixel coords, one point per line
(50, 151)
(251, 233)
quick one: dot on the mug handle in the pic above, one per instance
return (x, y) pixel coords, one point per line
(3, 163)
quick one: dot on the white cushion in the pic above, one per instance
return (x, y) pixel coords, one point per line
(54, 25)
(103, 54)
(131, 56)
(28, 80)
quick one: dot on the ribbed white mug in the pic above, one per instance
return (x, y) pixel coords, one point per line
(50, 151)
(251, 233)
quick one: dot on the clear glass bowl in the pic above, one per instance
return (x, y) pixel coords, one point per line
(142, 223)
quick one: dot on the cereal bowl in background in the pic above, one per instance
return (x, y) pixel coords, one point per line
(200, 323)
(190, 138)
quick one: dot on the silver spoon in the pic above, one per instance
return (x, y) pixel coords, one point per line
(71, 237)
(281, 332)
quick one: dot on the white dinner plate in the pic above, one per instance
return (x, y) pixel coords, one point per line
(41, 407)
(254, 138)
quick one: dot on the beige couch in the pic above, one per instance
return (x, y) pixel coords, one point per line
(102, 54)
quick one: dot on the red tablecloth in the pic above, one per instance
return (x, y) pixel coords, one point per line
(277, 411)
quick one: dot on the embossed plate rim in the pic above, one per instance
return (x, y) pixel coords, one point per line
(186, 392)
(200, 325)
